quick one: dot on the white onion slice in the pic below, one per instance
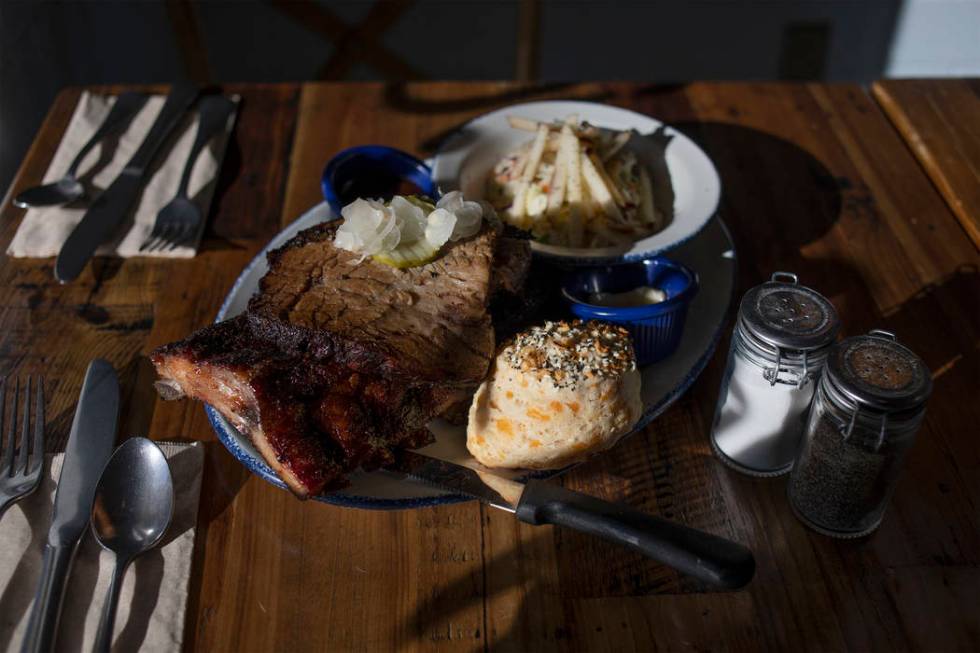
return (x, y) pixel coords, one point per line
(411, 219)
(469, 215)
(439, 227)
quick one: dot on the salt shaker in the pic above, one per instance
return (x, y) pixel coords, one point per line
(780, 342)
(868, 407)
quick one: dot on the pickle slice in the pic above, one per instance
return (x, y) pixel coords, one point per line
(408, 256)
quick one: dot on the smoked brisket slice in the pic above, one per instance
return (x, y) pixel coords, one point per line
(429, 320)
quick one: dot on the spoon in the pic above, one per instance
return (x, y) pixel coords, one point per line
(133, 506)
(68, 188)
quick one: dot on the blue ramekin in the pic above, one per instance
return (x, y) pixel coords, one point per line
(365, 161)
(656, 329)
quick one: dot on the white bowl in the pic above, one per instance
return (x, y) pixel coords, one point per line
(683, 175)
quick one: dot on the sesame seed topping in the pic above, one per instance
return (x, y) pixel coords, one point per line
(569, 352)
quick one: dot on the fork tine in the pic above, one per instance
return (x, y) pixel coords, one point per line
(11, 433)
(154, 234)
(179, 236)
(157, 239)
(25, 431)
(149, 239)
(162, 239)
(168, 237)
(37, 450)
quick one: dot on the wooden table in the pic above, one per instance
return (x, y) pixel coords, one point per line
(817, 180)
(938, 119)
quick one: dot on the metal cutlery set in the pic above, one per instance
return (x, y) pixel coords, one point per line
(177, 223)
(127, 495)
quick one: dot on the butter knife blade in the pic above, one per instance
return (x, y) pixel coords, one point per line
(90, 442)
(110, 208)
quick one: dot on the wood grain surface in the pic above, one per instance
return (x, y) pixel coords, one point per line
(940, 121)
(816, 181)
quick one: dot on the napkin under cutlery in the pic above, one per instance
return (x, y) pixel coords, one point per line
(154, 595)
(44, 229)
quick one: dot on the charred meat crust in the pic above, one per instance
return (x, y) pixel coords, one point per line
(317, 416)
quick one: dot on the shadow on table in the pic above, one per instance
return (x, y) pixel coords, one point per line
(397, 96)
(941, 323)
(536, 619)
(776, 196)
(220, 228)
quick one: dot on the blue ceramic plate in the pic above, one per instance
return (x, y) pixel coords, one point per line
(711, 253)
(685, 181)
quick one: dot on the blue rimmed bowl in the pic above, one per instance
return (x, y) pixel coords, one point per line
(374, 171)
(656, 329)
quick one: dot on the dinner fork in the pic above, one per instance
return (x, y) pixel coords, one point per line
(178, 222)
(20, 474)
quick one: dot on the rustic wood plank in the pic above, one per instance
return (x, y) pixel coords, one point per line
(816, 180)
(940, 121)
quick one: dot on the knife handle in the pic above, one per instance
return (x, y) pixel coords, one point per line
(181, 95)
(43, 624)
(704, 556)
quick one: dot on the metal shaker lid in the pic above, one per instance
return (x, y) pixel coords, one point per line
(783, 314)
(874, 370)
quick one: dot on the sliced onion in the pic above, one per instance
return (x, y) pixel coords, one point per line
(469, 215)
(347, 240)
(439, 227)
(411, 219)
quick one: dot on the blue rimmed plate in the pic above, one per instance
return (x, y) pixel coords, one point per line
(711, 253)
(686, 183)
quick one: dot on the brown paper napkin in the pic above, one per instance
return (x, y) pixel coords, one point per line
(154, 593)
(43, 230)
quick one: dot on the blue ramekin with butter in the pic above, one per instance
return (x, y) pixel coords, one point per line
(650, 298)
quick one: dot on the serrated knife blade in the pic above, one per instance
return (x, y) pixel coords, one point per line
(90, 442)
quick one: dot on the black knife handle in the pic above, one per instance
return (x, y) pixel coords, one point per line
(43, 624)
(181, 96)
(704, 556)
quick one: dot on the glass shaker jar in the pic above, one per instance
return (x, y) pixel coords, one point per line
(781, 338)
(868, 407)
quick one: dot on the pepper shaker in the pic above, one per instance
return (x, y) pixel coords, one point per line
(867, 409)
(781, 339)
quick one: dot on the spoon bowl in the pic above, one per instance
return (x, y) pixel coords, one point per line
(64, 191)
(134, 504)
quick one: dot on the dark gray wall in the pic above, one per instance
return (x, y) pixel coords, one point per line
(45, 46)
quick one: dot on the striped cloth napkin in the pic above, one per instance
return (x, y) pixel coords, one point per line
(154, 593)
(44, 230)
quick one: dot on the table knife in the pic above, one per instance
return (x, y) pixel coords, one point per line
(90, 442)
(709, 558)
(110, 208)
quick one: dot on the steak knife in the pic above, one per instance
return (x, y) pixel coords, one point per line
(111, 207)
(93, 433)
(709, 558)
